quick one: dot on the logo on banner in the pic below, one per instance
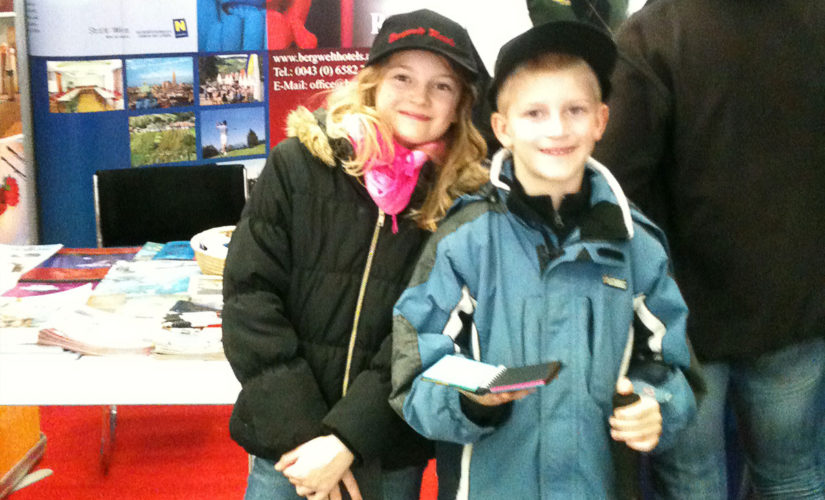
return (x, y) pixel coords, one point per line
(180, 28)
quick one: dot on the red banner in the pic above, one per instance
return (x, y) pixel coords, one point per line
(305, 77)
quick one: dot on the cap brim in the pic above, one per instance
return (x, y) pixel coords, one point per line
(471, 70)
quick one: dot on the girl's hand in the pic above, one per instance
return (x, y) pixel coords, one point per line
(349, 483)
(317, 466)
(498, 398)
(639, 424)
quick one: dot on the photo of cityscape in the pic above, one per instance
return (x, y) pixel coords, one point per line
(162, 82)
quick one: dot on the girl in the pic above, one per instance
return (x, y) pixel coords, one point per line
(324, 248)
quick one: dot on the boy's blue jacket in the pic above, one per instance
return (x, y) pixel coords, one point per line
(500, 288)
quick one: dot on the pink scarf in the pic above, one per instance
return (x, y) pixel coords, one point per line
(391, 182)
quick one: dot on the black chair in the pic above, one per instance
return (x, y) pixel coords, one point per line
(166, 203)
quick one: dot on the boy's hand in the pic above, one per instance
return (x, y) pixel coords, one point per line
(639, 424)
(498, 398)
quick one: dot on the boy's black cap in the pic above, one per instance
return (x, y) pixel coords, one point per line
(580, 39)
(425, 30)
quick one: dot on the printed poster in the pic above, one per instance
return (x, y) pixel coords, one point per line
(140, 83)
(60, 28)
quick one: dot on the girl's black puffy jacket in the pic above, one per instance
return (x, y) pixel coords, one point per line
(291, 284)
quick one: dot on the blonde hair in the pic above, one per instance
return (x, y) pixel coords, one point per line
(546, 61)
(460, 171)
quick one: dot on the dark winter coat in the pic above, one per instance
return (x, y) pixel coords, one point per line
(717, 130)
(291, 284)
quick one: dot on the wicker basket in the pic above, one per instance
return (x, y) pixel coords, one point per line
(210, 248)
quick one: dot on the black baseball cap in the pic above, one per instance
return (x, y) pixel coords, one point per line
(425, 30)
(576, 38)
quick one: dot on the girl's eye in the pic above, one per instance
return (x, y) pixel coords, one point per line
(401, 77)
(444, 86)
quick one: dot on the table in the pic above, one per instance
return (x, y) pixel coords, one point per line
(36, 375)
(62, 378)
(45, 376)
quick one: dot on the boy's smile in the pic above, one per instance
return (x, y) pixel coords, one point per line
(417, 96)
(551, 122)
(558, 151)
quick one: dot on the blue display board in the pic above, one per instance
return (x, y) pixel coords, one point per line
(122, 84)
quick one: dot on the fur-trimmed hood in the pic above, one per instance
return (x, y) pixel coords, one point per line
(310, 128)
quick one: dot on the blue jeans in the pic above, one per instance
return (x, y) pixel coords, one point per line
(265, 483)
(777, 400)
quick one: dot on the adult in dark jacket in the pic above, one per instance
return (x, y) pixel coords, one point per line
(314, 268)
(717, 130)
(605, 14)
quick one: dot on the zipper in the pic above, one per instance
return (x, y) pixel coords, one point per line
(557, 220)
(373, 244)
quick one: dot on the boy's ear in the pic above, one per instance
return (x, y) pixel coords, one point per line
(603, 116)
(498, 123)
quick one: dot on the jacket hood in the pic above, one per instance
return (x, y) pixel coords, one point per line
(615, 195)
(310, 129)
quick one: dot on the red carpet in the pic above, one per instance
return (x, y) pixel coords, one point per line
(162, 452)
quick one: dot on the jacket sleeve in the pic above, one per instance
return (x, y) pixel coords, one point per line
(364, 420)
(636, 142)
(280, 397)
(662, 365)
(427, 319)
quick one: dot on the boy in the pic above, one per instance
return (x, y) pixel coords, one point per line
(550, 263)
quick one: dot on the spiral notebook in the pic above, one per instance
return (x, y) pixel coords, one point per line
(481, 378)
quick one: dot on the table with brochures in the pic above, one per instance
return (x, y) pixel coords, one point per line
(35, 374)
(60, 306)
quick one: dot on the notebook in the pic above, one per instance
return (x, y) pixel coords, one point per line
(481, 378)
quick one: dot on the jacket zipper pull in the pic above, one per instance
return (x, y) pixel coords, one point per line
(557, 220)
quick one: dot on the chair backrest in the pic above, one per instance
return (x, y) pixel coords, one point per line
(167, 203)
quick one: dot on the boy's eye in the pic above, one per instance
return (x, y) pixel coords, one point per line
(534, 113)
(577, 110)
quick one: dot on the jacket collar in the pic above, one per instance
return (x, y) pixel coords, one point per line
(609, 214)
(310, 129)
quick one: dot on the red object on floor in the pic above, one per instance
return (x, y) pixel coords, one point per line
(161, 452)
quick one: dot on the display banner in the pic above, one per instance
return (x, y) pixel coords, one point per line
(17, 205)
(58, 28)
(137, 83)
